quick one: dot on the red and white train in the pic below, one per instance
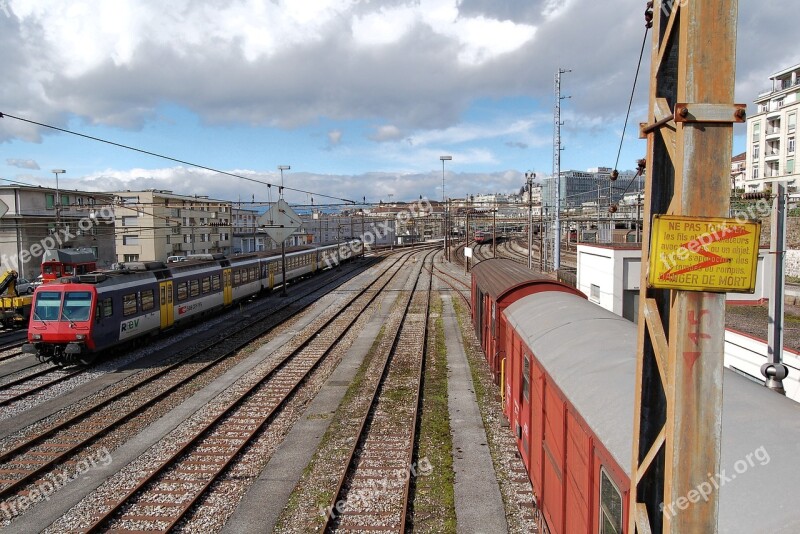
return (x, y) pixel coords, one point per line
(76, 317)
(567, 371)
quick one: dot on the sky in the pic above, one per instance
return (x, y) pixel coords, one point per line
(359, 97)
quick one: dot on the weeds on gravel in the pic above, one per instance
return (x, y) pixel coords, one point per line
(434, 501)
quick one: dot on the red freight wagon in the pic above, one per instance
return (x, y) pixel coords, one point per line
(497, 283)
(570, 375)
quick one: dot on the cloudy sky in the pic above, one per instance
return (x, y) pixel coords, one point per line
(360, 97)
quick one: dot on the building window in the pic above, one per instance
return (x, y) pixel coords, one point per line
(594, 293)
(756, 131)
(130, 221)
(610, 505)
(792, 122)
(790, 166)
(176, 230)
(130, 240)
(756, 151)
(790, 145)
(50, 200)
(755, 172)
(65, 200)
(131, 257)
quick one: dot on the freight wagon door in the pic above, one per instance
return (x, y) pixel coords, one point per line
(167, 309)
(227, 289)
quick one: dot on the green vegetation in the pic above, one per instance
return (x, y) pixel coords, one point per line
(434, 501)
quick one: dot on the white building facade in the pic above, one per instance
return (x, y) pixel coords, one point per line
(772, 134)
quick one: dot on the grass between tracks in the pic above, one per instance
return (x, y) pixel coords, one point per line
(434, 505)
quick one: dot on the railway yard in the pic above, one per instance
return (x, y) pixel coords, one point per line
(360, 402)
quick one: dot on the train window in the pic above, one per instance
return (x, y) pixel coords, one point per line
(194, 288)
(108, 307)
(526, 377)
(237, 277)
(128, 304)
(206, 284)
(244, 275)
(183, 291)
(148, 300)
(253, 273)
(215, 285)
(68, 269)
(48, 303)
(77, 306)
(610, 505)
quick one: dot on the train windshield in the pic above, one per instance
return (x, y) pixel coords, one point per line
(77, 305)
(48, 304)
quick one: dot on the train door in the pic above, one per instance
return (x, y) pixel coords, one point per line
(227, 289)
(272, 265)
(167, 309)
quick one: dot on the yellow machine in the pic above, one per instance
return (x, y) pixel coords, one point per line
(14, 309)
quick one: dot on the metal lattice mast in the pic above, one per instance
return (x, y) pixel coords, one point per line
(557, 172)
(677, 422)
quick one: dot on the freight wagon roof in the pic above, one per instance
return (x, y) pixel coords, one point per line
(498, 276)
(591, 355)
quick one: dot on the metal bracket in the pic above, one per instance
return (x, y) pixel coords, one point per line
(725, 113)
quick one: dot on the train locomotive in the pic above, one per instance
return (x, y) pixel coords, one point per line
(567, 372)
(75, 318)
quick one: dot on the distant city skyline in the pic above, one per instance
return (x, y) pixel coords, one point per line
(360, 98)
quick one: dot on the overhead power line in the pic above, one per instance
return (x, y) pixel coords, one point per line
(183, 162)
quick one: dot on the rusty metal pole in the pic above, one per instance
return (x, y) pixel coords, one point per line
(677, 422)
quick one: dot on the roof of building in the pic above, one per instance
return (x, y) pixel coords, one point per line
(739, 157)
(591, 355)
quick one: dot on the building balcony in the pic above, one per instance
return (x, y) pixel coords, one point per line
(772, 156)
(772, 132)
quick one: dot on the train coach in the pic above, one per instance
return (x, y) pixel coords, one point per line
(496, 284)
(569, 397)
(75, 318)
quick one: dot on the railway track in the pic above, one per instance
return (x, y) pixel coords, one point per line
(373, 488)
(28, 460)
(23, 387)
(163, 498)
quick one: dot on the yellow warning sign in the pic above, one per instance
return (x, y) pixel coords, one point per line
(703, 254)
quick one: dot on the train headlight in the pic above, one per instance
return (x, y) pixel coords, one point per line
(80, 337)
(37, 337)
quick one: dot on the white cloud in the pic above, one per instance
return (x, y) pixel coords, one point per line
(23, 163)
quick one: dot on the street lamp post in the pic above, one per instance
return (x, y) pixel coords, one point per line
(57, 203)
(283, 243)
(446, 225)
(530, 176)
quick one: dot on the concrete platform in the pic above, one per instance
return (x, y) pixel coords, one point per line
(478, 502)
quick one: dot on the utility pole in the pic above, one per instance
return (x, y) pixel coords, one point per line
(557, 171)
(678, 391)
(529, 184)
(494, 230)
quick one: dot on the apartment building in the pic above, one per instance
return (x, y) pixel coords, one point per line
(771, 133)
(739, 172)
(154, 224)
(40, 218)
